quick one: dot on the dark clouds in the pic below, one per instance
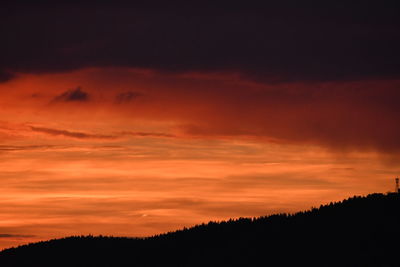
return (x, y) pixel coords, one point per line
(5, 76)
(341, 116)
(300, 44)
(72, 95)
(280, 41)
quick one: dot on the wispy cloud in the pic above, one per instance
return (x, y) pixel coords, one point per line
(24, 148)
(77, 135)
(148, 134)
(83, 135)
(15, 236)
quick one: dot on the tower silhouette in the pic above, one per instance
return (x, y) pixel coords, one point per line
(397, 190)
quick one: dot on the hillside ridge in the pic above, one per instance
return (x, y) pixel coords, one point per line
(356, 231)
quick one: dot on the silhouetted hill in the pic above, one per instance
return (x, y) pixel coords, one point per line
(360, 231)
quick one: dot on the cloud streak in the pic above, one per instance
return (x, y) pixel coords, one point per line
(148, 134)
(15, 236)
(77, 135)
(25, 148)
(83, 135)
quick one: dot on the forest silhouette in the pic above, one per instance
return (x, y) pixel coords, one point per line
(359, 231)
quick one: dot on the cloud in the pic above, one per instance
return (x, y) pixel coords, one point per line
(25, 148)
(5, 76)
(15, 236)
(341, 116)
(77, 135)
(148, 134)
(272, 42)
(82, 135)
(35, 95)
(72, 96)
(127, 97)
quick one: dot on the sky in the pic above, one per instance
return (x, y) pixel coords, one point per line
(134, 119)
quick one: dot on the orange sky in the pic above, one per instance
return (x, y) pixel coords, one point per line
(135, 152)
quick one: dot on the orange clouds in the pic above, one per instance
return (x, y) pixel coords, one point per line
(339, 115)
(133, 152)
(155, 185)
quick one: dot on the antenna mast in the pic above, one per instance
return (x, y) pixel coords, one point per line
(397, 185)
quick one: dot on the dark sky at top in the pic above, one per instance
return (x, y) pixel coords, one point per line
(265, 40)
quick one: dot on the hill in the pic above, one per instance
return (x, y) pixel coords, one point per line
(359, 231)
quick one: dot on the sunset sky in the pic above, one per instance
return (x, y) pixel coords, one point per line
(136, 119)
